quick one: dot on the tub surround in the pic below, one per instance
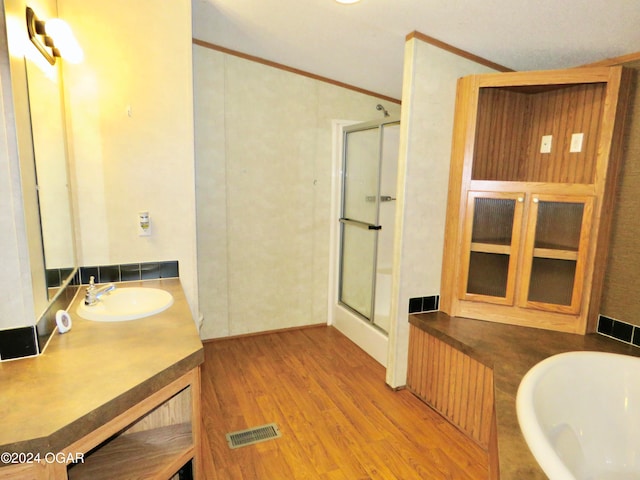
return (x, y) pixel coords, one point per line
(510, 351)
(94, 373)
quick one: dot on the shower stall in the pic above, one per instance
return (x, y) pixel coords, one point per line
(366, 230)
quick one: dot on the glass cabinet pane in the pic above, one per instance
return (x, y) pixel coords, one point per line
(559, 225)
(493, 220)
(488, 273)
(492, 241)
(552, 281)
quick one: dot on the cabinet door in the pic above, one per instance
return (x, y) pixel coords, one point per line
(556, 245)
(493, 222)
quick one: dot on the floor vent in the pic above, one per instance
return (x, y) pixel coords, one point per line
(252, 435)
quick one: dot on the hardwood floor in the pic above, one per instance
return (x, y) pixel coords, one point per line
(337, 417)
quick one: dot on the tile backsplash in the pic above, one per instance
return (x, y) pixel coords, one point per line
(619, 330)
(18, 343)
(424, 304)
(128, 272)
(115, 273)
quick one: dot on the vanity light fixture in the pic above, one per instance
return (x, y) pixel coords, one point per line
(53, 38)
(347, 2)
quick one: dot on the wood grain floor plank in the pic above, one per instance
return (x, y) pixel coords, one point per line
(337, 417)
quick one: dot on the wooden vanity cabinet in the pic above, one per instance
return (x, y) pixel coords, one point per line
(151, 440)
(534, 167)
(154, 439)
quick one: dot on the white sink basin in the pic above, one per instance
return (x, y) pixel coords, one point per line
(579, 413)
(128, 303)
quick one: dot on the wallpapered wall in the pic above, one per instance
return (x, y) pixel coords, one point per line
(263, 186)
(623, 269)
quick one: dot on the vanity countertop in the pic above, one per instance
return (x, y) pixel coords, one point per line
(93, 373)
(511, 351)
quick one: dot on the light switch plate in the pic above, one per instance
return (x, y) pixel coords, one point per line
(545, 145)
(576, 142)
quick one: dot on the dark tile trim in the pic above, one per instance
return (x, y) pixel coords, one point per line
(47, 323)
(424, 304)
(129, 272)
(29, 341)
(18, 343)
(57, 276)
(619, 330)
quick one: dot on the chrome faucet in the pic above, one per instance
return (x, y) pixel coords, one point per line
(93, 294)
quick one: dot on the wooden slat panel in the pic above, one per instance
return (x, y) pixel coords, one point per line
(433, 369)
(445, 376)
(474, 429)
(460, 382)
(466, 388)
(411, 361)
(454, 384)
(473, 384)
(561, 113)
(451, 384)
(499, 141)
(487, 408)
(422, 369)
(510, 126)
(432, 380)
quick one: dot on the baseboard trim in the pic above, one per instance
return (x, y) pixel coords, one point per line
(265, 332)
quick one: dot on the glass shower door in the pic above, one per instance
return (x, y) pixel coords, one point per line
(359, 219)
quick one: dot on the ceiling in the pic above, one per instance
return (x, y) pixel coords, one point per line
(363, 44)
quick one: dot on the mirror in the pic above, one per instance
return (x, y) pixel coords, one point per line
(50, 157)
(36, 146)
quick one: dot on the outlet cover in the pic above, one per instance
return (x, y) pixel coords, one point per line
(576, 142)
(545, 144)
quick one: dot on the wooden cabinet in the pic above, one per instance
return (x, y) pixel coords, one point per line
(154, 439)
(554, 252)
(552, 242)
(491, 243)
(532, 182)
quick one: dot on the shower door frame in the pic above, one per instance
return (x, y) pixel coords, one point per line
(374, 227)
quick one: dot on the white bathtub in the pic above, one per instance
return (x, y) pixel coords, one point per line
(580, 415)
